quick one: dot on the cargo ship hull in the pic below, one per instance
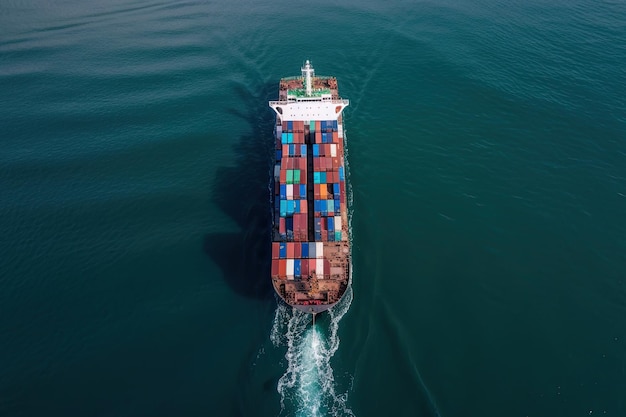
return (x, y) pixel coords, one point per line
(310, 268)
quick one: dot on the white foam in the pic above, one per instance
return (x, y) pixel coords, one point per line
(308, 384)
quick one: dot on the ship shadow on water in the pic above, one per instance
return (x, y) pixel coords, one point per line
(241, 191)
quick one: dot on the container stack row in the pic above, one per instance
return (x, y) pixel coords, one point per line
(328, 182)
(297, 260)
(290, 187)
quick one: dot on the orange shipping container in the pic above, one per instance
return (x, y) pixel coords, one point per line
(282, 268)
(323, 192)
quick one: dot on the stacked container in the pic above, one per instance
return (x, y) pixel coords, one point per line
(328, 182)
(298, 260)
(290, 193)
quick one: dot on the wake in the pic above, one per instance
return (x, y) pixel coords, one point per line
(308, 384)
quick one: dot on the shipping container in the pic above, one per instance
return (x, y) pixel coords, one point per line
(330, 207)
(341, 176)
(290, 125)
(303, 150)
(289, 191)
(290, 249)
(283, 176)
(282, 250)
(323, 191)
(275, 263)
(305, 249)
(289, 176)
(304, 266)
(333, 150)
(326, 268)
(319, 250)
(337, 236)
(296, 176)
(303, 190)
(319, 268)
(296, 268)
(331, 224)
(331, 236)
(338, 223)
(282, 268)
(311, 249)
(297, 250)
(290, 268)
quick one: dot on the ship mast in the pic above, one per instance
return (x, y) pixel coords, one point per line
(307, 74)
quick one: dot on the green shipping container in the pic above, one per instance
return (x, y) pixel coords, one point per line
(296, 176)
(290, 176)
(337, 236)
(312, 125)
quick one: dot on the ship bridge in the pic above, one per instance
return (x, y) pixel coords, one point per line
(308, 103)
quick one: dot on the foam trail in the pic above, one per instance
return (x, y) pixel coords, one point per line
(308, 384)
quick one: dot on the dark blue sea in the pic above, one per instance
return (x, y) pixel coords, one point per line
(487, 165)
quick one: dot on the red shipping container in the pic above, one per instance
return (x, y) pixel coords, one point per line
(318, 137)
(303, 163)
(275, 250)
(312, 265)
(290, 250)
(327, 149)
(336, 137)
(282, 228)
(326, 267)
(304, 208)
(275, 267)
(285, 151)
(283, 176)
(282, 268)
(316, 191)
(298, 250)
(296, 151)
(318, 126)
(304, 267)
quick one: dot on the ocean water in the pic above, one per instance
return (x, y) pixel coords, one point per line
(487, 159)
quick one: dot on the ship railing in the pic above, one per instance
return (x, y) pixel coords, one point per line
(284, 102)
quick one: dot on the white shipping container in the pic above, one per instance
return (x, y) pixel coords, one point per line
(277, 171)
(319, 250)
(289, 191)
(338, 223)
(333, 150)
(279, 131)
(289, 268)
(319, 267)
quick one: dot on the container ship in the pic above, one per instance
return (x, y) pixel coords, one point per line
(310, 266)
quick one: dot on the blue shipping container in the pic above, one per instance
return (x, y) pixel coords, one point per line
(324, 137)
(318, 236)
(336, 188)
(323, 124)
(331, 236)
(341, 178)
(289, 125)
(331, 224)
(296, 267)
(289, 224)
(290, 137)
(322, 178)
(282, 251)
(303, 150)
(291, 150)
(283, 191)
(297, 208)
(302, 191)
(316, 150)
(305, 249)
(337, 206)
(283, 208)
(317, 177)
(335, 125)
(279, 155)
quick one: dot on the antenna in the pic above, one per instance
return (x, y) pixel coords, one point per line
(307, 74)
